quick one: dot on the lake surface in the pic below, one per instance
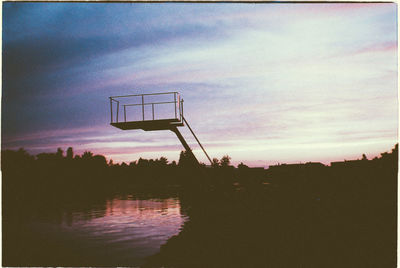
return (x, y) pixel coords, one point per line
(123, 231)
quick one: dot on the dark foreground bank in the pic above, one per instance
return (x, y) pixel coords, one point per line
(304, 216)
(290, 216)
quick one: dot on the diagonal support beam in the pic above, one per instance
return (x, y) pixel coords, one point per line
(185, 145)
(194, 135)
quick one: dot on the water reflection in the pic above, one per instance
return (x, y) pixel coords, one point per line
(124, 232)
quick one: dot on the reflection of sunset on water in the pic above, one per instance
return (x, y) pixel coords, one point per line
(145, 209)
(136, 228)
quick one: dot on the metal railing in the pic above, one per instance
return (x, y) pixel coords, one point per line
(124, 102)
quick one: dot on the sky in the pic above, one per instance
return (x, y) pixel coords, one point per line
(262, 83)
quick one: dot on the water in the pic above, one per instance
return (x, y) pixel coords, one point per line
(122, 232)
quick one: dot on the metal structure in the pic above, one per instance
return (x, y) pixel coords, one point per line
(149, 112)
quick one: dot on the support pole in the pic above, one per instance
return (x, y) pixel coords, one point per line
(175, 104)
(185, 145)
(194, 135)
(117, 110)
(111, 109)
(181, 109)
(143, 106)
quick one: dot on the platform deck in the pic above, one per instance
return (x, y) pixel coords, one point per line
(148, 125)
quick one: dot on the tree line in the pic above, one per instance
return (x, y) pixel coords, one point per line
(22, 155)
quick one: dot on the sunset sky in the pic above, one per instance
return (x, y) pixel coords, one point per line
(263, 83)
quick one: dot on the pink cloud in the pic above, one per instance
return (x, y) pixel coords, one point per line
(380, 47)
(343, 8)
(52, 133)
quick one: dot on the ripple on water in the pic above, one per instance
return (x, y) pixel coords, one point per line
(127, 229)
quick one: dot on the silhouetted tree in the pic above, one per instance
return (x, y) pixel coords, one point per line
(16, 158)
(99, 160)
(225, 161)
(215, 162)
(163, 161)
(143, 162)
(184, 159)
(60, 153)
(70, 153)
(87, 155)
(241, 165)
(395, 150)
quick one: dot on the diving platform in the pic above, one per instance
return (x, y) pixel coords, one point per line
(155, 111)
(150, 112)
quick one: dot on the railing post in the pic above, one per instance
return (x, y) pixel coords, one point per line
(111, 109)
(152, 107)
(182, 107)
(117, 110)
(124, 112)
(180, 110)
(175, 103)
(143, 106)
